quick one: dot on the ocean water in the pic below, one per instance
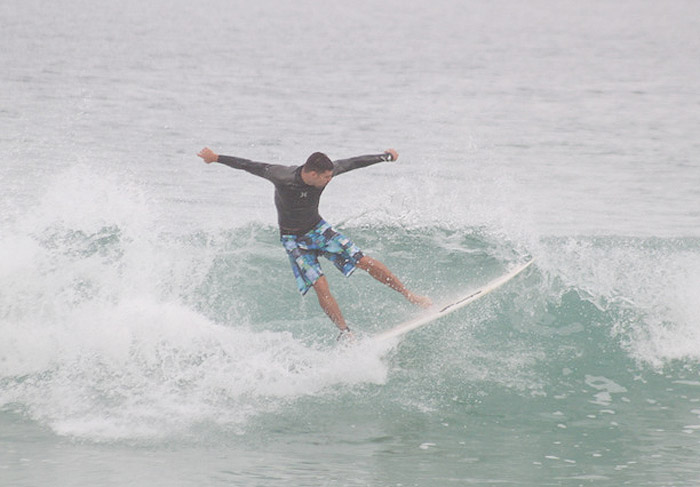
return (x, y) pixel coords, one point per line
(150, 329)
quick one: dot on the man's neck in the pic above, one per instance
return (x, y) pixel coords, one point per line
(304, 178)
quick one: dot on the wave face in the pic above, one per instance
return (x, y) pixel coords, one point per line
(116, 330)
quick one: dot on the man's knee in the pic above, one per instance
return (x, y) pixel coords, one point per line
(365, 262)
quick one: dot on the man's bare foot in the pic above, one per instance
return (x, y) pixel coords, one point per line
(346, 336)
(422, 301)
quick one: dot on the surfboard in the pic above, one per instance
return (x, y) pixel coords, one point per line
(436, 312)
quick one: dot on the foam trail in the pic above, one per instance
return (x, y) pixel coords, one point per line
(102, 338)
(144, 369)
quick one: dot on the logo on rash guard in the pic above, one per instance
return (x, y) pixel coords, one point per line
(303, 194)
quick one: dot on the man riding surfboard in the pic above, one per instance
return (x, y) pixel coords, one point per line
(305, 235)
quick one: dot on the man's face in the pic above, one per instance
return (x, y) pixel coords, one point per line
(318, 179)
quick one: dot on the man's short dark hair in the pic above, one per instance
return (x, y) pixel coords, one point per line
(318, 162)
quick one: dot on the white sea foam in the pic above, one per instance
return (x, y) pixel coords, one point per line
(101, 341)
(140, 368)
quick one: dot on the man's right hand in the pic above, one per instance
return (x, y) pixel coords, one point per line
(394, 154)
(208, 155)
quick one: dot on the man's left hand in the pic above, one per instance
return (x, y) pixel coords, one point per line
(394, 154)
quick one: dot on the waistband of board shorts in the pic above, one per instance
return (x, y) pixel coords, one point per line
(321, 225)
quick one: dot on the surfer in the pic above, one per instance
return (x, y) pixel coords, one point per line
(305, 235)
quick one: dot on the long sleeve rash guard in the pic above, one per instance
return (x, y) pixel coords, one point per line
(296, 201)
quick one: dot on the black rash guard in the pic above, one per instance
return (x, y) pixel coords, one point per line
(296, 201)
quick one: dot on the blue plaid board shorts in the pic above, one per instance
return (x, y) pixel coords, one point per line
(304, 250)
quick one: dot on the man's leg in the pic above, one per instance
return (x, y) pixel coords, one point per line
(328, 302)
(382, 274)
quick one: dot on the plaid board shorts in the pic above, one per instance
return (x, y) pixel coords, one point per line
(304, 250)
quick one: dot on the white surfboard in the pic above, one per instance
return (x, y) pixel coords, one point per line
(438, 311)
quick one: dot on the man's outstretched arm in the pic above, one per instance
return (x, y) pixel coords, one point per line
(345, 165)
(257, 168)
